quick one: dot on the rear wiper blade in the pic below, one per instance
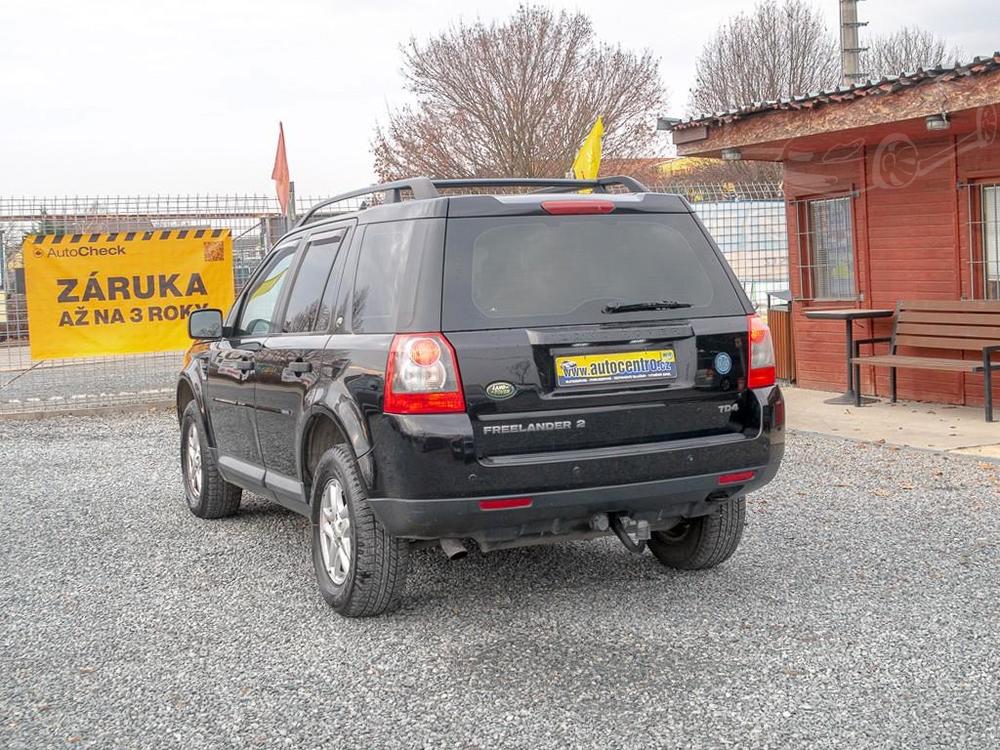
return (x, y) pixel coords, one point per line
(660, 304)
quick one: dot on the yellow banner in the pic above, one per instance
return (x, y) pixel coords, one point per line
(123, 292)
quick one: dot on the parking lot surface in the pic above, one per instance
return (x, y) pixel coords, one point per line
(862, 610)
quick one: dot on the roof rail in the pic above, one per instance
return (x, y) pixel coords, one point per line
(548, 183)
(423, 188)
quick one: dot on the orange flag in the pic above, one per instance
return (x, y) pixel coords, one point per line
(279, 174)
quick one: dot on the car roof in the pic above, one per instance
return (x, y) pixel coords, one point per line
(460, 206)
(469, 197)
(534, 203)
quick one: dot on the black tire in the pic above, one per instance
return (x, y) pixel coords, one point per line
(376, 573)
(702, 542)
(213, 497)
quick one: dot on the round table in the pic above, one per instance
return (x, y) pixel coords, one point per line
(849, 315)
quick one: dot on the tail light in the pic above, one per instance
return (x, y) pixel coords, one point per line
(421, 376)
(761, 355)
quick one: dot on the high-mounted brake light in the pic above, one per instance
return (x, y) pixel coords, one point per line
(421, 376)
(761, 354)
(565, 207)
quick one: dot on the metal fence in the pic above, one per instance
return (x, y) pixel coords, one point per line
(27, 385)
(748, 221)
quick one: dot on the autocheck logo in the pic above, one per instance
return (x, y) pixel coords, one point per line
(83, 251)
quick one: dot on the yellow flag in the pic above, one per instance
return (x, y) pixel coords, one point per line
(588, 159)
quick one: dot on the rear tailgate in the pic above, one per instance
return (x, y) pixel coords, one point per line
(543, 416)
(547, 368)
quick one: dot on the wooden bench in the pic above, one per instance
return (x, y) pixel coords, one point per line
(961, 325)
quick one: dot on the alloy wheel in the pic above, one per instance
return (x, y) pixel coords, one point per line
(192, 463)
(335, 532)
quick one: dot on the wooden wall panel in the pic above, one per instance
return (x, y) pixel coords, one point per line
(977, 161)
(911, 241)
(912, 251)
(819, 345)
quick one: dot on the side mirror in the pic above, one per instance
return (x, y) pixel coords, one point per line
(205, 324)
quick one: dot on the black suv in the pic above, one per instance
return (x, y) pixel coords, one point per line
(566, 360)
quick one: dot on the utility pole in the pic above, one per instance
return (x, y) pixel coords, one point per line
(850, 46)
(292, 215)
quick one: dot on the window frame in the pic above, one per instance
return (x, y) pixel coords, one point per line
(319, 236)
(987, 285)
(806, 251)
(236, 312)
(345, 299)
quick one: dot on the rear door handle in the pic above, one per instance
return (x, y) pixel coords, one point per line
(298, 367)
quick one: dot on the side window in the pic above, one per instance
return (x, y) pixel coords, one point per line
(307, 309)
(831, 243)
(262, 297)
(990, 202)
(339, 289)
(391, 273)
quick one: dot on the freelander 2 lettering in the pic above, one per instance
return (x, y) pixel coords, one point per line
(506, 429)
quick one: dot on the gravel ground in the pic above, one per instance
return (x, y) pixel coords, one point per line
(862, 610)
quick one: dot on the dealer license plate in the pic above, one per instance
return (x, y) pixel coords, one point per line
(615, 367)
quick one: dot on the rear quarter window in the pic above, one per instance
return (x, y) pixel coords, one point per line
(397, 286)
(503, 272)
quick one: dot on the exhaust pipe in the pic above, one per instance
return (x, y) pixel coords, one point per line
(453, 549)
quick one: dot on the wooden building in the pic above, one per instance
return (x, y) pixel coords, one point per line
(893, 193)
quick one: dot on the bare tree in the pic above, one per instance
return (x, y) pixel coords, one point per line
(517, 97)
(777, 50)
(906, 50)
(704, 171)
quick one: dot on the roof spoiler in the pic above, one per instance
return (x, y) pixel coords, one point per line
(424, 188)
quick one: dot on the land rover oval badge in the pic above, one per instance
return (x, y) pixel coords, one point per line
(500, 390)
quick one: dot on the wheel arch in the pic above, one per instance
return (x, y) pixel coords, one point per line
(188, 390)
(184, 396)
(323, 430)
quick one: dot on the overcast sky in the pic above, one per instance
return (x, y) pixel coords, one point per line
(184, 96)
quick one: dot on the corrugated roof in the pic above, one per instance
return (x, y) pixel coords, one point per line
(887, 85)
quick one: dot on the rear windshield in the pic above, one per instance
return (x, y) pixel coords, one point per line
(511, 272)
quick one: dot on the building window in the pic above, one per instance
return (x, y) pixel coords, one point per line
(830, 243)
(990, 202)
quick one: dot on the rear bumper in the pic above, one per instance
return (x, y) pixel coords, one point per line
(563, 512)
(428, 480)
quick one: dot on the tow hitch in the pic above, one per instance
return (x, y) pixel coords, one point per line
(619, 523)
